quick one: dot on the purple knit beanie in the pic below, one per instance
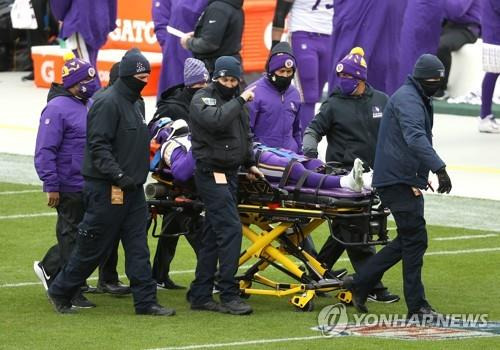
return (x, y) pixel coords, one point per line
(281, 60)
(354, 64)
(194, 72)
(75, 70)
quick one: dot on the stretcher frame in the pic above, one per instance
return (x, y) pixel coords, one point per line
(276, 224)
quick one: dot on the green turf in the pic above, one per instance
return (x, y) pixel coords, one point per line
(464, 283)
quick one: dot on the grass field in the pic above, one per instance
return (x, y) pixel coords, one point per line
(460, 275)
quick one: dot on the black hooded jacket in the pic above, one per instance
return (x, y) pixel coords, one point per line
(220, 131)
(117, 136)
(218, 32)
(174, 103)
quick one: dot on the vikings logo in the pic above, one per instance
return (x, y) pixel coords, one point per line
(70, 67)
(339, 68)
(140, 67)
(289, 63)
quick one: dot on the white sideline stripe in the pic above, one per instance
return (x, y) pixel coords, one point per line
(464, 237)
(248, 342)
(180, 272)
(21, 216)
(18, 192)
(464, 251)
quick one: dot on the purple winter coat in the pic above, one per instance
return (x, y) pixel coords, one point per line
(375, 26)
(490, 21)
(274, 117)
(94, 20)
(184, 17)
(420, 33)
(60, 142)
(463, 11)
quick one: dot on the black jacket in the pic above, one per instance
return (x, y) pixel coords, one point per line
(174, 103)
(117, 136)
(350, 124)
(220, 130)
(218, 32)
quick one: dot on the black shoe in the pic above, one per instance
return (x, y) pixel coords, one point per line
(357, 300)
(211, 305)
(169, 284)
(61, 305)
(87, 288)
(115, 288)
(383, 296)
(42, 275)
(28, 77)
(236, 307)
(425, 313)
(81, 302)
(156, 310)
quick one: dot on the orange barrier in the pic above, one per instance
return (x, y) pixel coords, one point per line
(135, 28)
(48, 62)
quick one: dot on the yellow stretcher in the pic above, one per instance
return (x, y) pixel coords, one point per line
(276, 221)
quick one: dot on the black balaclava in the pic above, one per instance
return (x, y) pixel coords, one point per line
(428, 67)
(131, 64)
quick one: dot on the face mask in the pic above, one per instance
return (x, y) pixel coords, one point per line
(87, 89)
(280, 83)
(134, 84)
(226, 92)
(348, 85)
(430, 87)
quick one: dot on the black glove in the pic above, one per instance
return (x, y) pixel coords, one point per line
(126, 183)
(444, 181)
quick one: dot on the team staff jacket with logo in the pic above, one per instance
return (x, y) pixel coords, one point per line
(218, 32)
(220, 131)
(274, 116)
(117, 136)
(60, 141)
(350, 124)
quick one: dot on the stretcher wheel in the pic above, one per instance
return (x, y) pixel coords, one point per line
(304, 302)
(345, 297)
(308, 307)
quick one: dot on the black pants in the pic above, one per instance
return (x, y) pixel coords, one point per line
(69, 215)
(409, 246)
(102, 225)
(453, 37)
(220, 241)
(332, 250)
(165, 250)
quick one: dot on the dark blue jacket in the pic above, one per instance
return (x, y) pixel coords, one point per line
(404, 152)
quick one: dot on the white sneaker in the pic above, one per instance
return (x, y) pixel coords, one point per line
(367, 180)
(41, 274)
(354, 180)
(489, 125)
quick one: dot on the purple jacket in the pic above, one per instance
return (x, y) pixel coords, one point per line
(60, 142)
(274, 117)
(94, 20)
(490, 21)
(375, 26)
(420, 33)
(174, 55)
(463, 11)
(183, 164)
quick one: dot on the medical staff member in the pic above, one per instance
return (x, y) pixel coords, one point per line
(221, 143)
(403, 159)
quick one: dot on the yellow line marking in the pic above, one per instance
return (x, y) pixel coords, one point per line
(474, 169)
(17, 127)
